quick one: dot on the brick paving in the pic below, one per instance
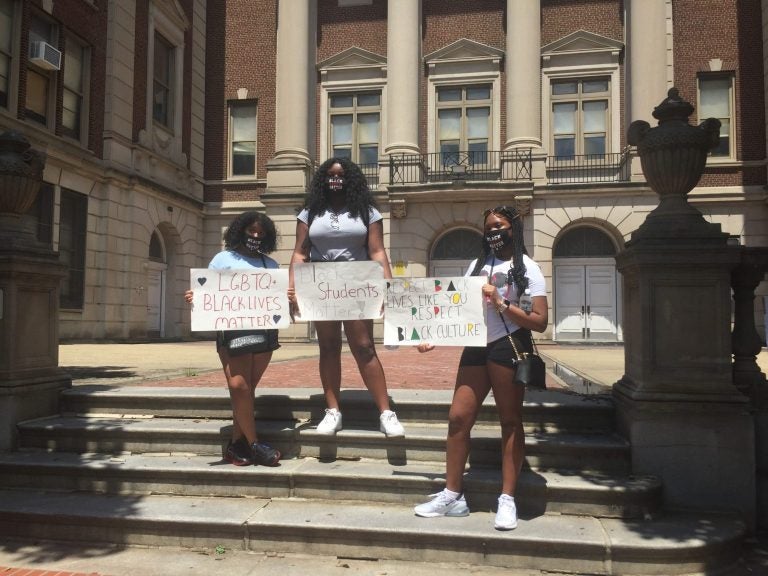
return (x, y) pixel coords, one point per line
(405, 368)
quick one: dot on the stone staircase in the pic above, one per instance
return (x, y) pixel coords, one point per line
(142, 466)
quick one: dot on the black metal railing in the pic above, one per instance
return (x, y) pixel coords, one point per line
(577, 168)
(508, 165)
(371, 173)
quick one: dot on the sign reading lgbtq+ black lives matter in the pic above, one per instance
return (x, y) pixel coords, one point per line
(440, 311)
(248, 299)
(339, 290)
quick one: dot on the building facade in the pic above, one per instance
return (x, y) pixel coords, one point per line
(190, 112)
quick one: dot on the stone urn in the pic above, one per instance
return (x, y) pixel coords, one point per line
(21, 173)
(673, 156)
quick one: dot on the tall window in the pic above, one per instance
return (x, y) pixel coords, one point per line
(40, 83)
(6, 47)
(75, 62)
(72, 232)
(464, 121)
(242, 138)
(580, 112)
(716, 101)
(162, 86)
(355, 120)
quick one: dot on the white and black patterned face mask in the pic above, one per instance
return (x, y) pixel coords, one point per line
(335, 183)
(252, 244)
(497, 239)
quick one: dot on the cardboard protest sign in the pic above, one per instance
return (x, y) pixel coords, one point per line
(247, 299)
(439, 311)
(339, 290)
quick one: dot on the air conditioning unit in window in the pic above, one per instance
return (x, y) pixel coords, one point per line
(44, 55)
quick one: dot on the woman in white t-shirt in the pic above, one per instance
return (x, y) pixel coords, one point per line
(340, 223)
(247, 241)
(510, 272)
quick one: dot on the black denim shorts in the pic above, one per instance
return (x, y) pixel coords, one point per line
(499, 351)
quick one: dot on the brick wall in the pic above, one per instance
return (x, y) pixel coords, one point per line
(731, 31)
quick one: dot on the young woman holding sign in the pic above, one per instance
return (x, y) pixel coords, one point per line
(340, 223)
(245, 355)
(504, 260)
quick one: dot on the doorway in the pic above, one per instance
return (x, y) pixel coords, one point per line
(156, 280)
(586, 287)
(454, 251)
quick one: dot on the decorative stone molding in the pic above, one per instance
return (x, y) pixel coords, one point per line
(523, 205)
(397, 209)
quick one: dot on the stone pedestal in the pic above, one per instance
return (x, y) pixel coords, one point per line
(30, 275)
(677, 403)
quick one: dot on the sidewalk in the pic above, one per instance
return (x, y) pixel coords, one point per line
(295, 365)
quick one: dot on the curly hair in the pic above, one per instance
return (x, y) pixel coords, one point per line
(517, 271)
(359, 198)
(234, 237)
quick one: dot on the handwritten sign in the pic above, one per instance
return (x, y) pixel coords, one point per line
(440, 311)
(247, 299)
(339, 290)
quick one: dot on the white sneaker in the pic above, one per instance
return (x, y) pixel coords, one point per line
(506, 514)
(441, 504)
(390, 425)
(331, 423)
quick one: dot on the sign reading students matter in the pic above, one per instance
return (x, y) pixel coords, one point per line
(248, 299)
(339, 290)
(439, 311)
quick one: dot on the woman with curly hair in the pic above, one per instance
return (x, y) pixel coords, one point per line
(510, 271)
(340, 223)
(247, 241)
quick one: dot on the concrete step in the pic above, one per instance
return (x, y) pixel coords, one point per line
(544, 410)
(423, 442)
(669, 544)
(538, 492)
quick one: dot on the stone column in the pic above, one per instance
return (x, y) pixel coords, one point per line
(295, 96)
(30, 274)
(646, 61)
(676, 403)
(522, 69)
(403, 73)
(523, 72)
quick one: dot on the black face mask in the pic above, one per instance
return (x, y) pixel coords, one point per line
(335, 183)
(252, 244)
(498, 239)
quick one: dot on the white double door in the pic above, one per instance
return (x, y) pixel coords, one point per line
(586, 300)
(155, 298)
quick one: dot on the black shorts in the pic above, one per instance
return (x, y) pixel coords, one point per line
(499, 351)
(268, 341)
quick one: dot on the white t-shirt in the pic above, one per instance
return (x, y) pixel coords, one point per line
(336, 236)
(493, 267)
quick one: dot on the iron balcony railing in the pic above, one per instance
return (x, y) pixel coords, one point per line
(579, 168)
(510, 165)
(371, 173)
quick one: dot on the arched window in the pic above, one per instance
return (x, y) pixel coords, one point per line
(460, 244)
(156, 249)
(584, 242)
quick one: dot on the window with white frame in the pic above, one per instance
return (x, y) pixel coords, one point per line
(74, 94)
(464, 122)
(41, 82)
(163, 88)
(580, 116)
(6, 50)
(355, 126)
(242, 139)
(716, 101)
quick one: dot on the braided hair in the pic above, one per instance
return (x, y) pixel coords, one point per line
(358, 196)
(234, 237)
(517, 272)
